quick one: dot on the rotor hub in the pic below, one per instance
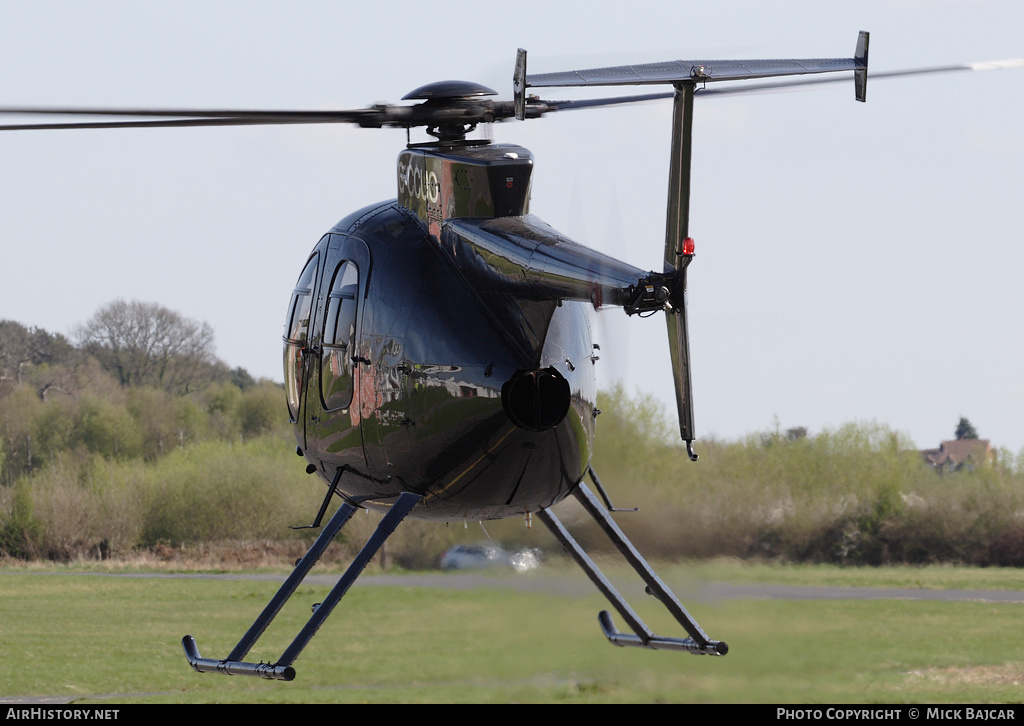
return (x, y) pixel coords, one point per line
(449, 90)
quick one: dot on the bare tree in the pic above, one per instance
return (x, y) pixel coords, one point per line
(14, 352)
(47, 360)
(144, 344)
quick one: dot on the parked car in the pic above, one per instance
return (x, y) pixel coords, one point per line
(472, 557)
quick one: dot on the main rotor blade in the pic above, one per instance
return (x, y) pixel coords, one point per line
(483, 111)
(178, 112)
(680, 73)
(598, 102)
(163, 123)
(796, 82)
(457, 112)
(771, 86)
(376, 116)
(186, 117)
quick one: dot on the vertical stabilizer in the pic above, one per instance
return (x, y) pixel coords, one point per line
(860, 59)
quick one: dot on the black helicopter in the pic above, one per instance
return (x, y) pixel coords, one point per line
(437, 353)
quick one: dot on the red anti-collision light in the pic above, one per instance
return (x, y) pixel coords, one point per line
(688, 246)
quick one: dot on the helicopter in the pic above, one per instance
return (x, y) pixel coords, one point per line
(437, 355)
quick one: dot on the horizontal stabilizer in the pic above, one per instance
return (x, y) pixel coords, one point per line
(702, 71)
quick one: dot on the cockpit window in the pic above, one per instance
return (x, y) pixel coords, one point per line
(296, 328)
(339, 333)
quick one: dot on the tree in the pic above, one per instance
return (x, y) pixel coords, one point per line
(964, 430)
(14, 350)
(260, 409)
(146, 344)
(796, 433)
(44, 360)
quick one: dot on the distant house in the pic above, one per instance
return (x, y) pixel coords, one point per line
(959, 453)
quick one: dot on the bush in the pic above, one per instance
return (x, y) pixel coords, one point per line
(261, 409)
(85, 506)
(20, 531)
(102, 484)
(216, 491)
(88, 507)
(859, 494)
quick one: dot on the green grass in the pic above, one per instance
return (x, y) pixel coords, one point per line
(99, 639)
(930, 577)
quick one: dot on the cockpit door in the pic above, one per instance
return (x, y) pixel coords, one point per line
(337, 370)
(332, 409)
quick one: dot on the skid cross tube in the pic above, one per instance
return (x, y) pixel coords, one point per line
(698, 642)
(282, 669)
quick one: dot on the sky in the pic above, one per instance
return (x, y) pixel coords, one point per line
(854, 262)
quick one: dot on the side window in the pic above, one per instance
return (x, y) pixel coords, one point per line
(296, 328)
(339, 333)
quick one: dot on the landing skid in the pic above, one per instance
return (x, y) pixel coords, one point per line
(282, 670)
(235, 664)
(698, 643)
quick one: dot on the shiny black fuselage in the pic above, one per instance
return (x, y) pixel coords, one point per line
(451, 333)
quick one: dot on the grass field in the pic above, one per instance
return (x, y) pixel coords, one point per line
(95, 638)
